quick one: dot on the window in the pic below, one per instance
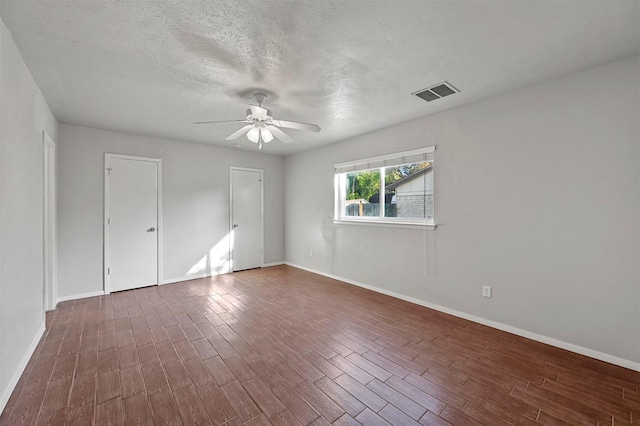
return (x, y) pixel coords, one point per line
(391, 189)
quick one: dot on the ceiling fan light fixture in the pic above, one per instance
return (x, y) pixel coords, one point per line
(266, 134)
(254, 134)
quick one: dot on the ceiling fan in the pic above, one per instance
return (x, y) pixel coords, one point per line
(263, 127)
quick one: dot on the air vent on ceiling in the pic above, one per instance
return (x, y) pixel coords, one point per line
(436, 92)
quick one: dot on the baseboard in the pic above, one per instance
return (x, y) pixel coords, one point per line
(611, 359)
(16, 375)
(181, 279)
(80, 296)
(198, 276)
(190, 277)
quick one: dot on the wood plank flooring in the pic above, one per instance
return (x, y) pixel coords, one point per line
(283, 346)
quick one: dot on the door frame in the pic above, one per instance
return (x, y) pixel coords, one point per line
(50, 246)
(107, 169)
(232, 240)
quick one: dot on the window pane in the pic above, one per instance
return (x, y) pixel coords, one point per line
(409, 189)
(360, 195)
(393, 189)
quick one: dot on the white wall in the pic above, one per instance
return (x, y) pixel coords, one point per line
(24, 115)
(195, 185)
(537, 194)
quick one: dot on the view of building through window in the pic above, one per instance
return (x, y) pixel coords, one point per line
(407, 192)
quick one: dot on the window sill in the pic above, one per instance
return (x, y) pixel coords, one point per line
(408, 225)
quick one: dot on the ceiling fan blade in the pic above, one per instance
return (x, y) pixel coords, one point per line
(259, 111)
(280, 134)
(296, 125)
(223, 121)
(240, 132)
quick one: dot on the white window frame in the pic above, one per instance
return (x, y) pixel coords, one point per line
(380, 163)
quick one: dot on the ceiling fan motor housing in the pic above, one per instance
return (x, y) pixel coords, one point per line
(252, 117)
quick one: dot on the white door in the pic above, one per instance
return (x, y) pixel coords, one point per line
(246, 219)
(131, 255)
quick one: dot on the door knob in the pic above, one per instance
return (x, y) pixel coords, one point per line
(151, 229)
(235, 225)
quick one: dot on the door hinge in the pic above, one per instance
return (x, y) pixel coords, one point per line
(108, 271)
(108, 221)
(109, 171)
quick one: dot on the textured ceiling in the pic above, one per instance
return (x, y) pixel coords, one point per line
(153, 67)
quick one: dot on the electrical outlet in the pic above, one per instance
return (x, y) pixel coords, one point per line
(486, 291)
(311, 252)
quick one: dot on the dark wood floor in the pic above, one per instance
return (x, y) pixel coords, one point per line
(286, 347)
